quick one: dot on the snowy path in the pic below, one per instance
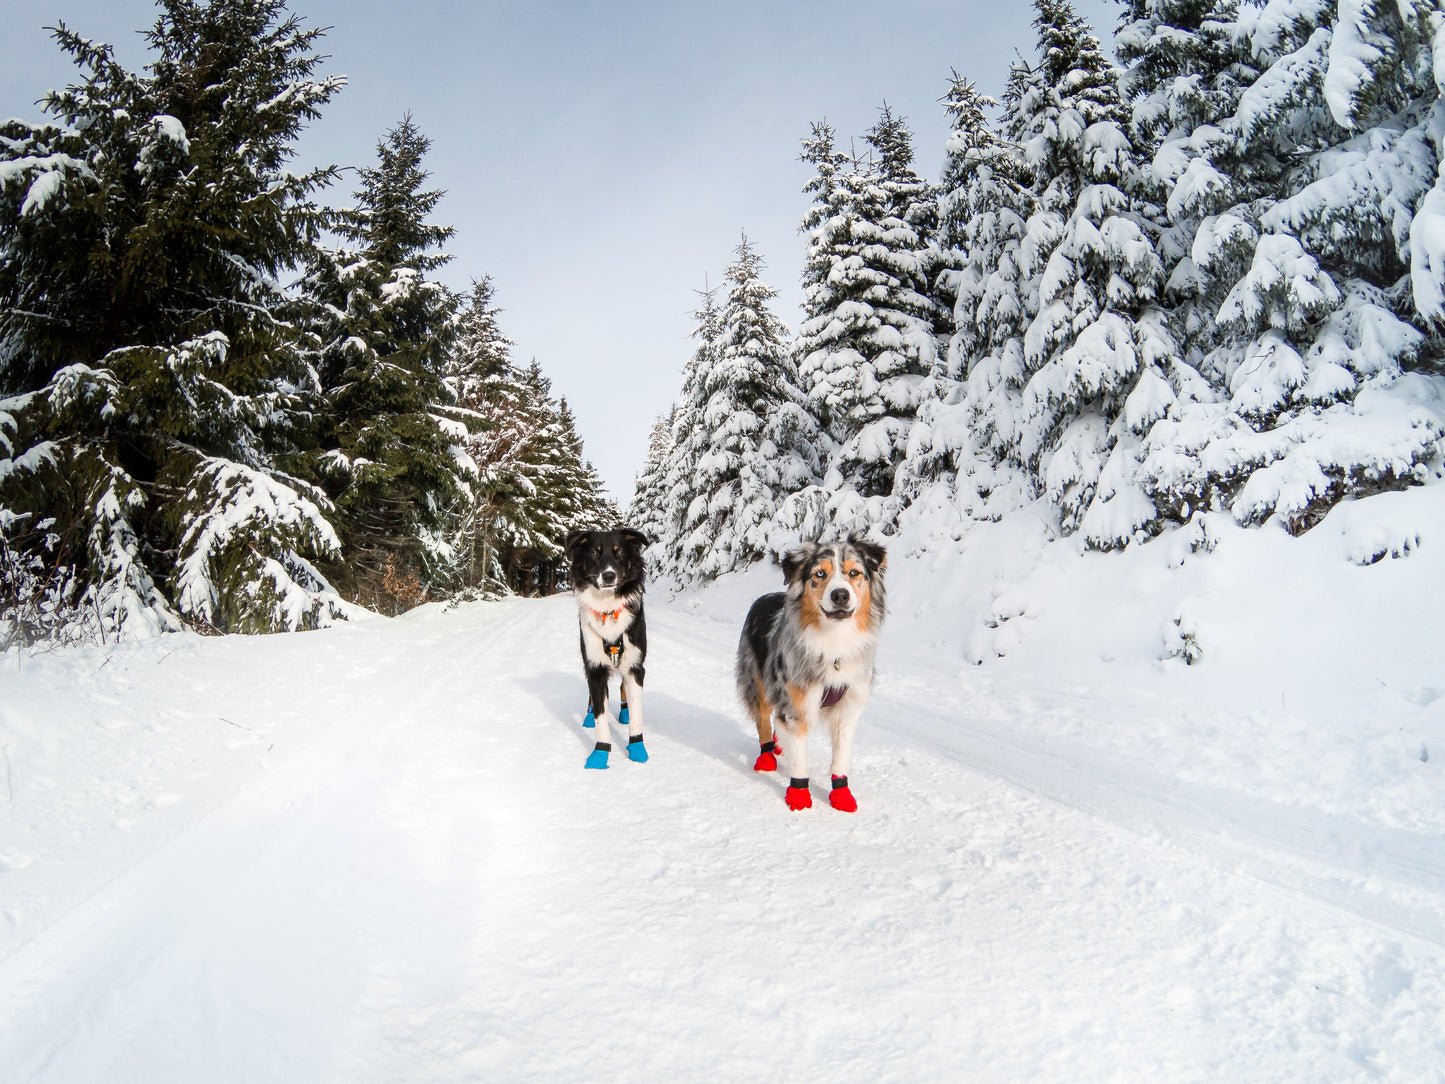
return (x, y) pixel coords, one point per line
(385, 863)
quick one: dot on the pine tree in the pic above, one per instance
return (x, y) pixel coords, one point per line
(684, 543)
(825, 224)
(153, 383)
(1097, 337)
(572, 499)
(964, 426)
(1307, 190)
(391, 438)
(869, 339)
(529, 524)
(483, 381)
(1185, 71)
(533, 481)
(648, 510)
(754, 430)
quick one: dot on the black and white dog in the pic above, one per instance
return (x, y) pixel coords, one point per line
(806, 656)
(607, 573)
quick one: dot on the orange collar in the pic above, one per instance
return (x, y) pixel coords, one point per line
(603, 615)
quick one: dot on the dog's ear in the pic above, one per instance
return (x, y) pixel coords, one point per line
(796, 562)
(875, 557)
(633, 537)
(575, 543)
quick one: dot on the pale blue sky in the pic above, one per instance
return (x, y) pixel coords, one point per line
(600, 158)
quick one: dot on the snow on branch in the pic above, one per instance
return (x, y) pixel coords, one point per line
(242, 564)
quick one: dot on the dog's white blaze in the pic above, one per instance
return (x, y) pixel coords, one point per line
(835, 581)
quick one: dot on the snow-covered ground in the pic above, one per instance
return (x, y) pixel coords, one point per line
(371, 853)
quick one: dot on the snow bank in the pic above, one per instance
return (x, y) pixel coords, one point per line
(1304, 671)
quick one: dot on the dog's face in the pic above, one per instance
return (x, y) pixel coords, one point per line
(606, 560)
(835, 582)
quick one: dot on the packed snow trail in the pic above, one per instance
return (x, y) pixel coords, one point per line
(385, 862)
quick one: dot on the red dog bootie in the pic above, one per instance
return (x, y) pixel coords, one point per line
(797, 795)
(842, 798)
(768, 758)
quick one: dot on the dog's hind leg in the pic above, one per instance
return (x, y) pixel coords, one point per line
(632, 713)
(760, 710)
(597, 695)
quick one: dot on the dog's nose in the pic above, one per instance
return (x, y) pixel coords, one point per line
(840, 597)
(609, 576)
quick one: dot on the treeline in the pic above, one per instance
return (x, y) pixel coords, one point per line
(1210, 276)
(224, 405)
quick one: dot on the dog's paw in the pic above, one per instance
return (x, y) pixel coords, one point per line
(636, 750)
(798, 798)
(766, 762)
(841, 798)
(597, 758)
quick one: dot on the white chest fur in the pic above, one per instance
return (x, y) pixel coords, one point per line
(605, 621)
(842, 642)
(847, 661)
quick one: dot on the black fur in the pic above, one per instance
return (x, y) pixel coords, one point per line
(758, 625)
(609, 567)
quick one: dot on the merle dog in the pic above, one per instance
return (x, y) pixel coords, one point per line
(806, 656)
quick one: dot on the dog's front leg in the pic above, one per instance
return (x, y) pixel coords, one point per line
(845, 725)
(632, 693)
(597, 692)
(795, 723)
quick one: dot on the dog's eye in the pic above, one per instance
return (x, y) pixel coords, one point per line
(820, 575)
(854, 573)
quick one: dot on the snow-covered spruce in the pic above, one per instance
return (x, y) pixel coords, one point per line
(391, 442)
(758, 434)
(529, 483)
(1228, 291)
(956, 462)
(871, 330)
(123, 389)
(1300, 195)
(648, 509)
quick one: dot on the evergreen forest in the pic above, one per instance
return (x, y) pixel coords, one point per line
(1205, 275)
(227, 405)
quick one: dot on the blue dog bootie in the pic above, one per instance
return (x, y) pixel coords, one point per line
(598, 757)
(591, 719)
(622, 715)
(636, 750)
